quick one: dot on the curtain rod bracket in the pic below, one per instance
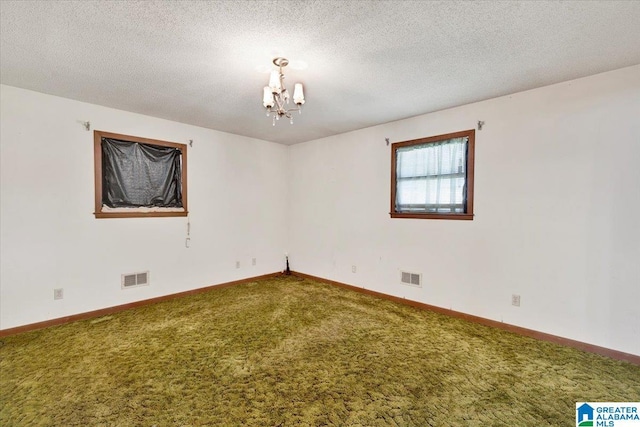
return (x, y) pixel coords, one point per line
(87, 126)
(387, 139)
(480, 124)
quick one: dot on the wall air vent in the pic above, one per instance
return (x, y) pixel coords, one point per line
(134, 280)
(411, 279)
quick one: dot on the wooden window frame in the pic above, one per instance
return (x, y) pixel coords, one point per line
(468, 215)
(97, 159)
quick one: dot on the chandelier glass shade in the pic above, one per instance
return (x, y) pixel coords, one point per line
(276, 96)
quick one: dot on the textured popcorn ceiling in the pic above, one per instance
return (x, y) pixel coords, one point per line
(362, 62)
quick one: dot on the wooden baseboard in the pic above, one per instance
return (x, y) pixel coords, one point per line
(117, 308)
(614, 354)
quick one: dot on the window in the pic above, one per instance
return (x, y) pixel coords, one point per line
(433, 177)
(139, 177)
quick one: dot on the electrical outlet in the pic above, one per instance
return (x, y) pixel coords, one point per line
(515, 300)
(253, 261)
(353, 268)
(237, 264)
(58, 293)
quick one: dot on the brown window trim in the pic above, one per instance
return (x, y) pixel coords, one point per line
(97, 161)
(468, 215)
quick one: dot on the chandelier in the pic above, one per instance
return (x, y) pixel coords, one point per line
(276, 96)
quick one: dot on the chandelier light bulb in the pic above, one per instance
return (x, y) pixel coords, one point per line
(267, 98)
(274, 82)
(298, 94)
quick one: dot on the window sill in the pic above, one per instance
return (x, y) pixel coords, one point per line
(454, 216)
(134, 213)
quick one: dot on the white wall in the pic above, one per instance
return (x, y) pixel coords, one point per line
(50, 239)
(557, 190)
(557, 194)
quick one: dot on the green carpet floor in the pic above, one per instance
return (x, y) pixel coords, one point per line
(284, 352)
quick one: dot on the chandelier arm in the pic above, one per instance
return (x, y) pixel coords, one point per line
(278, 100)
